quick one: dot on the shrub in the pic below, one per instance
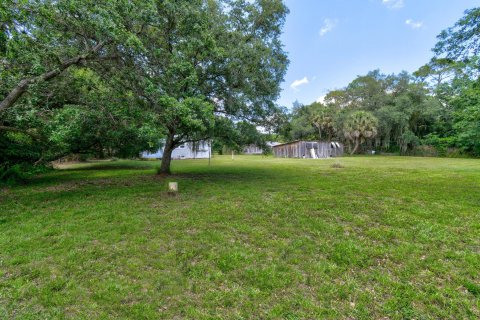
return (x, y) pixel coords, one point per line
(83, 157)
(11, 174)
(441, 144)
(455, 153)
(425, 151)
(17, 173)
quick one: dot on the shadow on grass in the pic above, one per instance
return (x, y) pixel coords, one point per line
(72, 186)
(84, 173)
(111, 175)
(104, 166)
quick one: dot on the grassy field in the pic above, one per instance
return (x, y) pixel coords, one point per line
(253, 238)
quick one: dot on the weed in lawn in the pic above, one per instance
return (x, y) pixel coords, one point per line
(337, 165)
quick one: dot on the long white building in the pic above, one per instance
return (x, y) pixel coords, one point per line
(189, 150)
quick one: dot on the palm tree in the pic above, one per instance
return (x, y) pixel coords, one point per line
(359, 127)
(323, 120)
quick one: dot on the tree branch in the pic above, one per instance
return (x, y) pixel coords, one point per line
(24, 84)
(12, 129)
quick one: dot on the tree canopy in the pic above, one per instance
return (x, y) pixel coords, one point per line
(114, 78)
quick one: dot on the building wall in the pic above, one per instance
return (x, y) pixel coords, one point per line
(252, 149)
(308, 149)
(200, 150)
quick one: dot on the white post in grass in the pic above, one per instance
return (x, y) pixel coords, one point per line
(173, 187)
(232, 154)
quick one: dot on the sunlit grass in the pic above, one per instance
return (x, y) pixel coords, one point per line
(255, 237)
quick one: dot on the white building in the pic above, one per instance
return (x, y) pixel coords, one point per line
(189, 150)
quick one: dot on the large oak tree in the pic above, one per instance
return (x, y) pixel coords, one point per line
(208, 59)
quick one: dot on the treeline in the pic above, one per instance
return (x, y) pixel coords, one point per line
(434, 111)
(117, 77)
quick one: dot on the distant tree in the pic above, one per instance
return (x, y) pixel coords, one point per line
(359, 127)
(278, 122)
(323, 119)
(368, 92)
(467, 118)
(337, 98)
(301, 123)
(461, 41)
(460, 44)
(437, 71)
(404, 109)
(236, 136)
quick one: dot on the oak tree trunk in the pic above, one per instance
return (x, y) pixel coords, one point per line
(167, 155)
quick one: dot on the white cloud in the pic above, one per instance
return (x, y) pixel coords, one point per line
(321, 99)
(295, 84)
(328, 25)
(414, 24)
(393, 4)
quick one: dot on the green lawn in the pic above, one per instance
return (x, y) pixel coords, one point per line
(253, 238)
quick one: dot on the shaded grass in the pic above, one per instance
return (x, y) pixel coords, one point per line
(256, 237)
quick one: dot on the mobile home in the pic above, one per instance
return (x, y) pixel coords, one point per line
(189, 150)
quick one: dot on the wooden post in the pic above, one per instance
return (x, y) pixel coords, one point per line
(209, 151)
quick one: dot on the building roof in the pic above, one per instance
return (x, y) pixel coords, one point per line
(283, 144)
(272, 143)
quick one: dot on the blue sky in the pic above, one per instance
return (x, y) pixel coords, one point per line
(330, 42)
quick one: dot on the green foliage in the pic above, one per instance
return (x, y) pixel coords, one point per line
(323, 119)
(19, 173)
(301, 123)
(204, 59)
(11, 174)
(117, 131)
(467, 118)
(45, 38)
(114, 77)
(53, 99)
(96, 120)
(463, 39)
(236, 136)
(440, 144)
(472, 288)
(359, 127)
